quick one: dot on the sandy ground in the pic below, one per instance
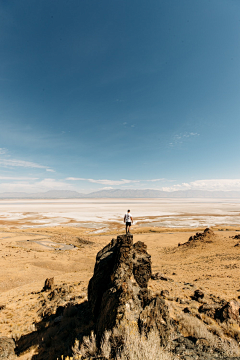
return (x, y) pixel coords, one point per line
(30, 255)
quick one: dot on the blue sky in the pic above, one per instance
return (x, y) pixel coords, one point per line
(119, 94)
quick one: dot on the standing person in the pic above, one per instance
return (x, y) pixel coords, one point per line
(128, 220)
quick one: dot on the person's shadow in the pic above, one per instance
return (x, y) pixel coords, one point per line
(55, 334)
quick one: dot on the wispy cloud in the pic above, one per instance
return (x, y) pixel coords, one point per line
(3, 151)
(20, 178)
(8, 163)
(155, 180)
(35, 186)
(210, 185)
(116, 182)
(104, 181)
(178, 139)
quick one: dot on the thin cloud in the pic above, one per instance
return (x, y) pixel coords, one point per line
(116, 182)
(20, 178)
(207, 185)
(3, 151)
(155, 180)
(104, 181)
(22, 163)
(37, 186)
(178, 139)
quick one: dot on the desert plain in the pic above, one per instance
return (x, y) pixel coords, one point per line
(59, 239)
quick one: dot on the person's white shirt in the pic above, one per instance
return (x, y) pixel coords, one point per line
(128, 217)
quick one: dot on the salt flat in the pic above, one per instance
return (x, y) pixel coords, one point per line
(99, 213)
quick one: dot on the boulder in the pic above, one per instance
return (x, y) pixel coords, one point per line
(210, 310)
(230, 311)
(49, 284)
(164, 293)
(236, 236)
(198, 294)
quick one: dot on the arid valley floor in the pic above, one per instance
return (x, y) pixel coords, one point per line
(30, 253)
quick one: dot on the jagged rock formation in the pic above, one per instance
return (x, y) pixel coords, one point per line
(207, 236)
(118, 292)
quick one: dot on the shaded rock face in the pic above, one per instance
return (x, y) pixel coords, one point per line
(118, 292)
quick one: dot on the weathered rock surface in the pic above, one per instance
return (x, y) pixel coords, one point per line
(48, 285)
(209, 309)
(159, 276)
(7, 347)
(231, 311)
(118, 292)
(198, 294)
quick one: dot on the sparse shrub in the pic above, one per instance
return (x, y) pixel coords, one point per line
(216, 329)
(141, 347)
(232, 329)
(230, 347)
(88, 347)
(126, 343)
(191, 326)
(105, 347)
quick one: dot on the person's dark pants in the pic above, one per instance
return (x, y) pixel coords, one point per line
(128, 225)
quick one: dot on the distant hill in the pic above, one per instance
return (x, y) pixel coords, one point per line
(127, 193)
(149, 193)
(51, 194)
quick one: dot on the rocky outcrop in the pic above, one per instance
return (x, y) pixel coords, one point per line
(118, 293)
(236, 237)
(230, 311)
(198, 294)
(49, 284)
(207, 236)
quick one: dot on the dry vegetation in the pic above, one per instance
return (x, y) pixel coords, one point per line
(124, 344)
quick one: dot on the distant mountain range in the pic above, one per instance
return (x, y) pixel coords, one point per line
(118, 193)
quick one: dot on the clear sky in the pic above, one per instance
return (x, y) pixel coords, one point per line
(119, 93)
